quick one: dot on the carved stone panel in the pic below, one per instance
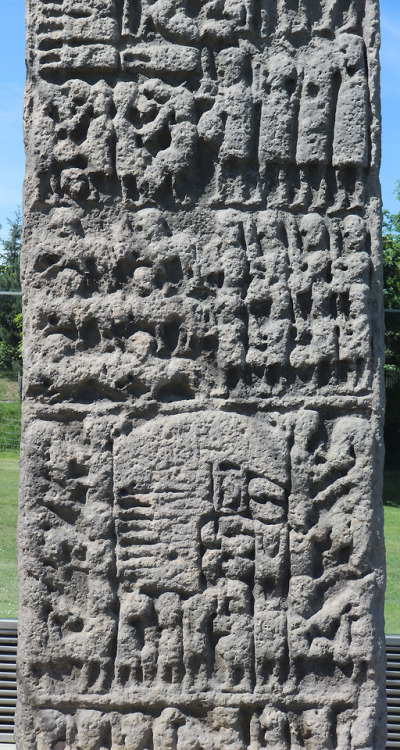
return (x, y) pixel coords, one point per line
(200, 533)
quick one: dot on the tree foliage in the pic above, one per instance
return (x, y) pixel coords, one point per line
(391, 260)
(391, 292)
(10, 307)
(391, 285)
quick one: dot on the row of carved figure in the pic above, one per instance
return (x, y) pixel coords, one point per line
(265, 298)
(340, 727)
(191, 22)
(241, 621)
(260, 128)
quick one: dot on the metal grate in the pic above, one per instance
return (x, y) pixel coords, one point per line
(8, 684)
(393, 690)
(8, 678)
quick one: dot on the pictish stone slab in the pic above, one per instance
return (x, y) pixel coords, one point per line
(200, 533)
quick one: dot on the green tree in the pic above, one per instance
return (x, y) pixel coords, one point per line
(391, 285)
(10, 307)
(391, 260)
(391, 292)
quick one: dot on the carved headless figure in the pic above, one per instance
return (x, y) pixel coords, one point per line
(313, 144)
(277, 145)
(232, 117)
(350, 139)
(135, 641)
(350, 15)
(351, 283)
(268, 298)
(234, 649)
(197, 614)
(292, 16)
(311, 294)
(170, 661)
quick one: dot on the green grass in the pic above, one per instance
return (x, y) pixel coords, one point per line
(9, 475)
(10, 426)
(391, 498)
(8, 389)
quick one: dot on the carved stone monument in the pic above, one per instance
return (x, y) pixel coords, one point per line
(200, 534)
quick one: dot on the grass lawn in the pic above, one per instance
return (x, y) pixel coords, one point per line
(10, 426)
(391, 497)
(9, 474)
(8, 389)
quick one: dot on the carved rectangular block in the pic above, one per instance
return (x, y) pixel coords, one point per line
(200, 529)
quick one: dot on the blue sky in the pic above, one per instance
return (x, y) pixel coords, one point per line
(12, 75)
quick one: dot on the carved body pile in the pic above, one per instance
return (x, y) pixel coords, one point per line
(200, 534)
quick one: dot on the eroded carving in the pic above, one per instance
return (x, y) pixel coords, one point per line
(200, 535)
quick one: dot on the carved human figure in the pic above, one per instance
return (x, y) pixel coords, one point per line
(170, 19)
(198, 611)
(133, 731)
(52, 729)
(167, 130)
(237, 544)
(168, 265)
(271, 728)
(165, 729)
(268, 299)
(74, 116)
(351, 272)
(338, 14)
(137, 650)
(97, 525)
(223, 20)
(278, 96)
(317, 549)
(100, 138)
(271, 546)
(229, 247)
(292, 16)
(351, 132)
(270, 641)
(92, 730)
(234, 630)
(173, 256)
(227, 566)
(229, 126)
(327, 634)
(311, 294)
(268, 508)
(316, 728)
(129, 154)
(343, 457)
(221, 728)
(314, 124)
(74, 111)
(170, 657)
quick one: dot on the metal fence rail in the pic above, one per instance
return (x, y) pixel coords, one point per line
(8, 684)
(8, 678)
(10, 433)
(393, 690)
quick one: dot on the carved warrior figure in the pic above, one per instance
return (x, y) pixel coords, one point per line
(278, 97)
(200, 536)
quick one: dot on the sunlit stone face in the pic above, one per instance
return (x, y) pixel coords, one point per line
(200, 539)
